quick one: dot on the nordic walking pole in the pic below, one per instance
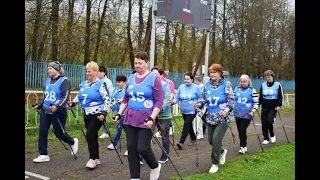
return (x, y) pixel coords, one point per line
(64, 132)
(74, 115)
(233, 136)
(108, 131)
(283, 127)
(53, 131)
(166, 135)
(162, 148)
(175, 120)
(257, 133)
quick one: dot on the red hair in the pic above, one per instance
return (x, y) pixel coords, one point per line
(217, 68)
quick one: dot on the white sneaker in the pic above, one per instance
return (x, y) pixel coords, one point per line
(200, 137)
(265, 142)
(214, 168)
(273, 139)
(74, 147)
(126, 153)
(158, 134)
(243, 150)
(141, 163)
(111, 147)
(91, 164)
(223, 157)
(155, 173)
(42, 158)
(104, 135)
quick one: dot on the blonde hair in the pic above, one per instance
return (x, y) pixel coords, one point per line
(92, 66)
(244, 76)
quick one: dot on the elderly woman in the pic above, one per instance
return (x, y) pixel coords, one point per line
(247, 102)
(142, 102)
(95, 102)
(218, 95)
(54, 111)
(270, 98)
(187, 94)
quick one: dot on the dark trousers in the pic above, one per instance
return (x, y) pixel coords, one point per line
(187, 127)
(242, 125)
(138, 142)
(164, 128)
(93, 125)
(58, 121)
(267, 118)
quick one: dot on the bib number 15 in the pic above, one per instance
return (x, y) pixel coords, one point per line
(139, 96)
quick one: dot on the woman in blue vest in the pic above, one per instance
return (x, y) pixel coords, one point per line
(94, 100)
(247, 102)
(270, 98)
(219, 96)
(165, 116)
(54, 111)
(142, 102)
(187, 94)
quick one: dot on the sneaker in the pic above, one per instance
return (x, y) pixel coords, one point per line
(141, 162)
(163, 159)
(192, 142)
(158, 134)
(200, 137)
(91, 164)
(104, 135)
(42, 158)
(273, 139)
(265, 142)
(180, 146)
(155, 173)
(243, 150)
(97, 161)
(214, 168)
(126, 153)
(223, 157)
(111, 147)
(74, 147)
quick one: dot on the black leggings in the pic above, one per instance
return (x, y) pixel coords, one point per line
(139, 142)
(267, 118)
(187, 127)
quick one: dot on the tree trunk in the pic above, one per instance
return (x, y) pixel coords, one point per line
(140, 25)
(87, 36)
(96, 51)
(35, 33)
(146, 43)
(55, 27)
(223, 33)
(69, 30)
(130, 47)
(166, 54)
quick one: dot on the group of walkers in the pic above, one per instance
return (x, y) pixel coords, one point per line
(143, 102)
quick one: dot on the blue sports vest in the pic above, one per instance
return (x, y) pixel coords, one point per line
(90, 96)
(52, 92)
(140, 95)
(244, 102)
(117, 95)
(216, 98)
(270, 92)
